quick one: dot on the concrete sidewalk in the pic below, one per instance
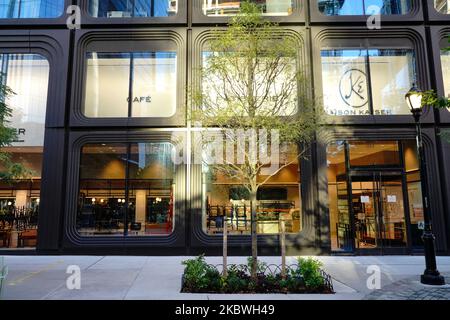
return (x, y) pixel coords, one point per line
(159, 278)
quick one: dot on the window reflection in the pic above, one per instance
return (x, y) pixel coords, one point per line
(27, 75)
(365, 82)
(126, 189)
(226, 199)
(442, 6)
(232, 7)
(31, 8)
(445, 61)
(363, 7)
(138, 84)
(132, 8)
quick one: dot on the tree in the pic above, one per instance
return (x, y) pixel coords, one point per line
(253, 93)
(9, 170)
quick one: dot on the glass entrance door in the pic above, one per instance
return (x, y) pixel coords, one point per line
(378, 210)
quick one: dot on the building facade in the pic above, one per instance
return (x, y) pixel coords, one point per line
(97, 108)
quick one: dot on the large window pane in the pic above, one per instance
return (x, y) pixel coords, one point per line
(224, 87)
(346, 75)
(361, 7)
(414, 187)
(126, 189)
(232, 7)
(132, 8)
(341, 7)
(445, 61)
(392, 75)
(102, 201)
(152, 183)
(151, 93)
(27, 75)
(338, 203)
(225, 196)
(31, 8)
(442, 6)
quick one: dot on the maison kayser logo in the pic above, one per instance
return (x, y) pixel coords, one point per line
(353, 88)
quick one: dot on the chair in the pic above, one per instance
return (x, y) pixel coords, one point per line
(26, 235)
(241, 218)
(215, 216)
(5, 236)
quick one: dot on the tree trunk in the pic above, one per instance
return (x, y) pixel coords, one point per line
(225, 247)
(254, 235)
(283, 248)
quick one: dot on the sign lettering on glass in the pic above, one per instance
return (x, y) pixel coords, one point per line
(20, 135)
(392, 199)
(353, 88)
(421, 225)
(147, 99)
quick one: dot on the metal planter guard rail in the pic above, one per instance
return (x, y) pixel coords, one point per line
(273, 270)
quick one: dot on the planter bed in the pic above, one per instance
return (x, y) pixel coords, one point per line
(304, 278)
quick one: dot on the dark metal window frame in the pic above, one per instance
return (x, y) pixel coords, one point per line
(202, 35)
(200, 239)
(72, 239)
(127, 41)
(54, 46)
(386, 38)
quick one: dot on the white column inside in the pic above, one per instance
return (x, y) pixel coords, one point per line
(141, 205)
(21, 198)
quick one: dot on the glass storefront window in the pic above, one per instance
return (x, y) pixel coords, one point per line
(445, 62)
(27, 75)
(126, 189)
(279, 198)
(414, 187)
(222, 8)
(340, 230)
(367, 82)
(225, 89)
(376, 153)
(363, 7)
(442, 6)
(12, 9)
(132, 8)
(373, 186)
(138, 84)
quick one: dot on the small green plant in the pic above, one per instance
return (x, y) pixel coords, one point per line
(200, 277)
(237, 280)
(310, 270)
(260, 266)
(197, 274)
